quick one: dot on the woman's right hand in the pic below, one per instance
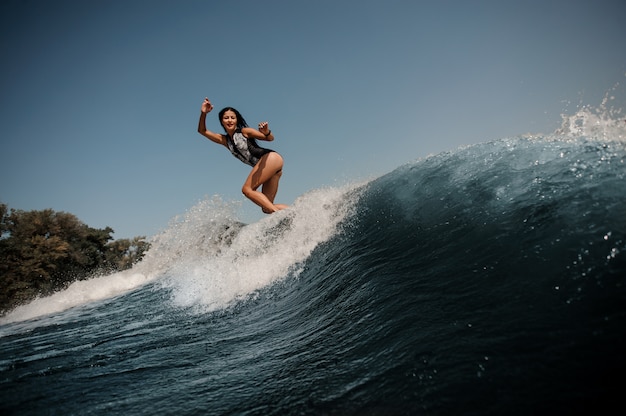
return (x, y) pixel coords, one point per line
(206, 106)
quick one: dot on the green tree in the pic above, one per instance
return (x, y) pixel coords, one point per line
(44, 251)
(124, 253)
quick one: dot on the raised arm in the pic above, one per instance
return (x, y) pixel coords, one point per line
(263, 133)
(214, 137)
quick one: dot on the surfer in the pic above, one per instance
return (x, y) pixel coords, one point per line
(267, 165)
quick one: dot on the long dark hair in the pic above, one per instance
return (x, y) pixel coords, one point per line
(241, 122)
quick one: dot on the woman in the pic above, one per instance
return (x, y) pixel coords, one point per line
(267, 165)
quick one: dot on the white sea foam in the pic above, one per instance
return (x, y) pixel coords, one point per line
(207, 258)
(210, 275)
(78, 293)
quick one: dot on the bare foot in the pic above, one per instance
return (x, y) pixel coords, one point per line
(277, 206)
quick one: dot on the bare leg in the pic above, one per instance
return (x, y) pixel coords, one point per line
(267, 173)
(270, 188)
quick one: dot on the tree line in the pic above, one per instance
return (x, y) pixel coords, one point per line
(42, 252)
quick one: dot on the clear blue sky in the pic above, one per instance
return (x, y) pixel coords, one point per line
(100, 100)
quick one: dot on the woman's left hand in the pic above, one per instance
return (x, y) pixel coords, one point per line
(264, 128)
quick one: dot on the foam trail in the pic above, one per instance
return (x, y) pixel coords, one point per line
(207, 258)
(258, 254)
(78, 293)
(155, 264)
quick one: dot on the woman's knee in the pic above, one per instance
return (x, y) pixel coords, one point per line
(247, 190)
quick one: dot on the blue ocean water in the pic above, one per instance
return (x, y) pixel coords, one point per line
(487, 280)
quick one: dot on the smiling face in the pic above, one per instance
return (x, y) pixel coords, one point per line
(229, 121)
